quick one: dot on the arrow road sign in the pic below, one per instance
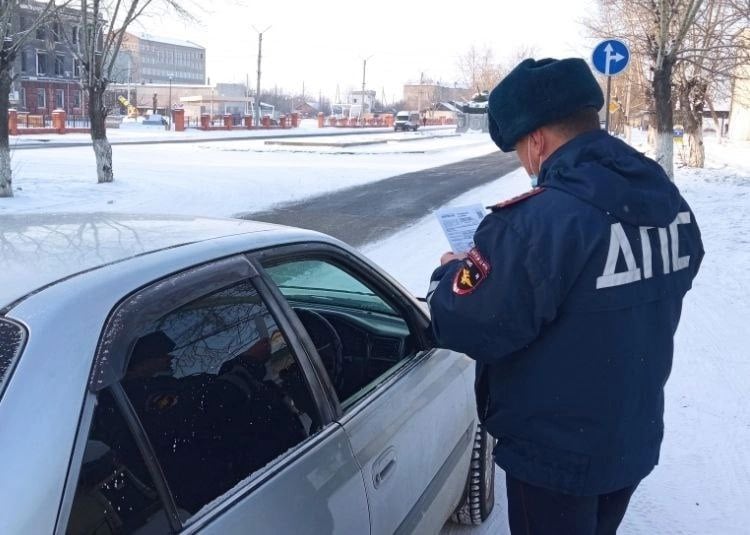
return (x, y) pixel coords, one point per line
(610, 57)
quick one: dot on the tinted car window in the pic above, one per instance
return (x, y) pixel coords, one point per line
(12, 337)
(218, 392)
(359, 336)
(115, 493)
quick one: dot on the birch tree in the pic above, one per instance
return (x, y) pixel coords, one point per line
(103, 24)
(12, 40)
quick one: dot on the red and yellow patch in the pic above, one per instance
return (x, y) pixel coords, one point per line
(161, 402)
(471, 273)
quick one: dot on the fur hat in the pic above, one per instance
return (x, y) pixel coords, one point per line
(536, 93)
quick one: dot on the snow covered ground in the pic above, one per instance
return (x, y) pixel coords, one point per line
(702, 485)
(221, 178)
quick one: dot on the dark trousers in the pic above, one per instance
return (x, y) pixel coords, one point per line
(538, 511)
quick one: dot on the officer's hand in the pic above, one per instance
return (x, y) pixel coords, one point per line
(450, 256)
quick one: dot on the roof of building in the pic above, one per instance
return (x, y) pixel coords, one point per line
(166, 40)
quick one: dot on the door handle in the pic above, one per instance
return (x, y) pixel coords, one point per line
(383, 466)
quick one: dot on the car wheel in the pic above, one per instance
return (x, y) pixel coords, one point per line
(479, 497)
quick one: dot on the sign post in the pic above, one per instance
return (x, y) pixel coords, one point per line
(610, 57)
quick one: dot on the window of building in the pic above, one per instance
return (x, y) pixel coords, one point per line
(41, 32)
(74, 35)
(41, 99)
(59, 99)
(115, 491)
(59, 65)
(76, 99)
(41, 63)
(24, 22)
(24, 61)
(56, 31)
(76, 68)
(22, 98)
(218, 392)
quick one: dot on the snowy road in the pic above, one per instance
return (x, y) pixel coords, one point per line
(373, 211)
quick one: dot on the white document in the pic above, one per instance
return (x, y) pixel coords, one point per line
(459, 224)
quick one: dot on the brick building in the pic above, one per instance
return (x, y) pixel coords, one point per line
(47, 73)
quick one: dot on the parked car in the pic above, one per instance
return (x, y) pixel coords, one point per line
(406, 120)
(175, 374)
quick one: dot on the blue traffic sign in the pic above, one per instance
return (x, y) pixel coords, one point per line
(610, 57)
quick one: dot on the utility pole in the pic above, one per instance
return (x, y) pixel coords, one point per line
(419, 93)
(257, 90)
(364, 71)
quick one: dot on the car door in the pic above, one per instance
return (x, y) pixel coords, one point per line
(408, 415)
(204, 414)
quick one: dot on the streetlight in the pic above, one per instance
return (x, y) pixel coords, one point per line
(364, 71)
(170, 100)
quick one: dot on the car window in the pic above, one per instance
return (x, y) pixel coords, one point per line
(360, 336)
(218, 392)
(115, 493)
(12, 337)
(323, 283)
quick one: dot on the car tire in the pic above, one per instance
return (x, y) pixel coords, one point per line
(479, 496)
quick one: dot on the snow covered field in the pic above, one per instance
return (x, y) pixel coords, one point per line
(702, 485)
(221, 178)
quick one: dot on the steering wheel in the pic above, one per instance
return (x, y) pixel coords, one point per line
(327, 342)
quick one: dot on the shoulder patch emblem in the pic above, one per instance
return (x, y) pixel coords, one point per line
(516, 199)
(472, 272)
(161, 402)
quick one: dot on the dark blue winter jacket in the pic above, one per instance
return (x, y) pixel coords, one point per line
(569, 303)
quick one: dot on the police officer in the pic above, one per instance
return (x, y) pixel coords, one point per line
(569, 302)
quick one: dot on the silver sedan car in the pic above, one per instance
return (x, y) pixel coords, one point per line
(177, 374)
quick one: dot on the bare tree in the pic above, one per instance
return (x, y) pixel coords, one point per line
(103, 24)
(479, 69)
(12, 40)
(714, 48)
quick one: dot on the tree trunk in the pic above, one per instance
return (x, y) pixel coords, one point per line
(6, 172)
(662, 85)
(692, 97)
(102, 148)
(694, 153)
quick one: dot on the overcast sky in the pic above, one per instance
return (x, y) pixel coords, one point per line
(323, 44)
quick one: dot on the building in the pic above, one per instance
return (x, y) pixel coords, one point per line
(149, 59)
(426, 96)
(194, 99)
(307, 109)
(46, 71)
(739, 114)
(354, 99)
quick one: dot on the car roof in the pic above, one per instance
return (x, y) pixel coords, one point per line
(37, 250)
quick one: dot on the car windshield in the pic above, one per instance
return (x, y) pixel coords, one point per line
(12, 337)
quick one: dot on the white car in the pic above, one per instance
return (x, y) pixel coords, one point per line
(178, 374)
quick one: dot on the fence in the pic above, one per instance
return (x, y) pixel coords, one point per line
(34, 120)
